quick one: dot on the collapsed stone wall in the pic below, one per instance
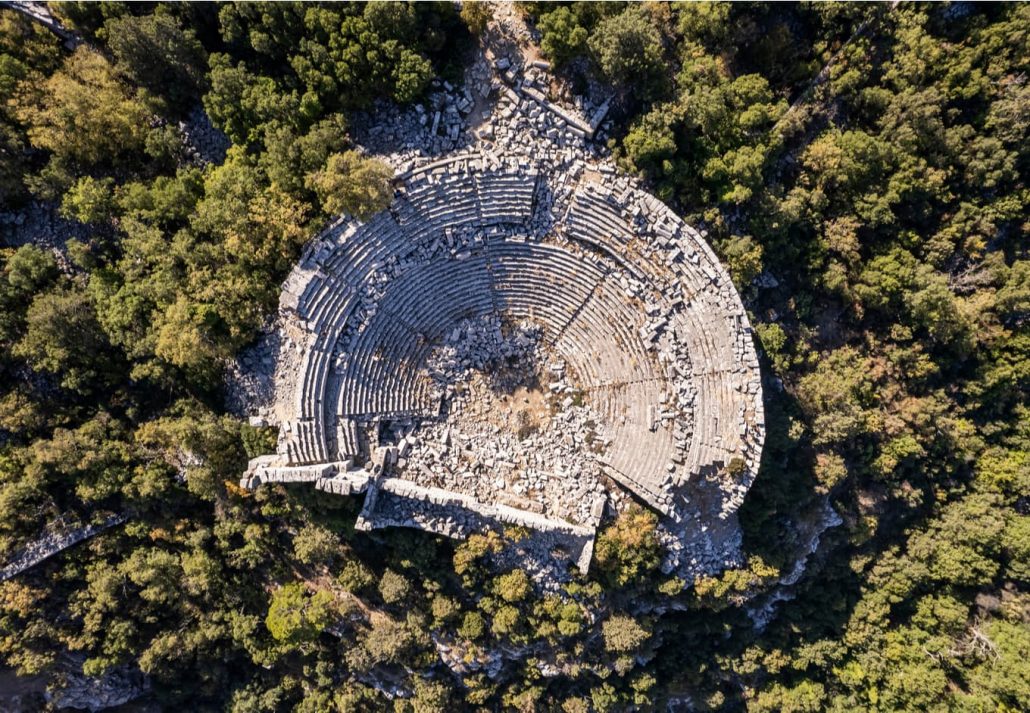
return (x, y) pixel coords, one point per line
(49, 544)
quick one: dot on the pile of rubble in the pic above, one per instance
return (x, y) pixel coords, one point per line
(484, 346)
(201, 141)
(514, 429)
(41, 224)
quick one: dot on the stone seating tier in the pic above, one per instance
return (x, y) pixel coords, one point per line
(434, 297)
(639, 452)
(347, 438)
(606, 331)
(593, 217)
(303, 444)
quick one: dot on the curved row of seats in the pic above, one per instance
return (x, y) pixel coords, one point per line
(388, 355)
(595, 330)
(378, 378)
(598, 330)
(540, 281)
(305, 443)
(606, 332)
(505, 196)
(327, 304)
(522, 279)
(329, 297)
(592, 216)
(434, 296)
(714, 323)
(719, 386)
(465, 191)
(638, 455)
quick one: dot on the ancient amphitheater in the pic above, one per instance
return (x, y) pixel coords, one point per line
(525, 337)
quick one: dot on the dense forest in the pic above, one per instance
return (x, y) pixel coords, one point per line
(862, 170)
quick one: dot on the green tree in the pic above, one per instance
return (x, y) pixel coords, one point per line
(840, 397)
(64, 339)
(394, 587)
(192, 337)
(28, 54)
(806, 697)
(198, 444)
(962, 547)
(155, 52)
(240, 102)
(30, 269)
(290, 157)
(430, 696)
(562, 37)
(998, 676)
(650, 142)
(444, 609)
(628, 48)
(472, 626)
(476, 15)
(628, 550)
(297, 617)
(351, 183)
(514, 586)
(705, 22)
(315, 545)
(744, 259)
(88, 17)
(89, 200)
(355, 577)
(623, 634)
(84, 115)
(388, 641)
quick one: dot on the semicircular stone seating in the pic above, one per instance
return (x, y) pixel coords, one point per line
(630, 299)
